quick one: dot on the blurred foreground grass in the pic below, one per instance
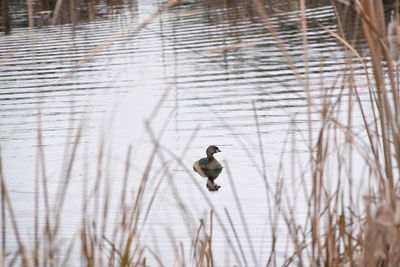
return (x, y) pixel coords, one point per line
(341, 228)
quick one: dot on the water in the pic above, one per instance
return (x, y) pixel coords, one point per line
(215, 64)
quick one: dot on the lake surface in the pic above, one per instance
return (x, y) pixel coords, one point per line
(213, 64)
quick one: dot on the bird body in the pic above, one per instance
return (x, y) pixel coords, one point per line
(209, 167)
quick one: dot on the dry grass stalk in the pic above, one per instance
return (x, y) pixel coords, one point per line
(328, 236)
(7, 203)
(379, 239)
(374, 30)
(202, 254)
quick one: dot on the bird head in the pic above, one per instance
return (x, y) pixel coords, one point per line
(212, 150)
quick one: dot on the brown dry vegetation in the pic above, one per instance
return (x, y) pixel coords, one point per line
(341, 229)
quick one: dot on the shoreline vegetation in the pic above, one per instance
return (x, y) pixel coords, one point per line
(342, 228)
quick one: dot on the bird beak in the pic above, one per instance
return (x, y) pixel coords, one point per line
(218, 150)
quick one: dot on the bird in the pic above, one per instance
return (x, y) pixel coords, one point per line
(209, 167)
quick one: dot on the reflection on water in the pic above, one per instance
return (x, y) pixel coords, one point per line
(14, 14)
(218, 62)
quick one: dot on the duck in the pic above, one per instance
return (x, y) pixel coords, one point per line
(209, 167)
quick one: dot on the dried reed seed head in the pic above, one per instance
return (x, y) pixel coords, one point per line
(381, 241)
(393, 35)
